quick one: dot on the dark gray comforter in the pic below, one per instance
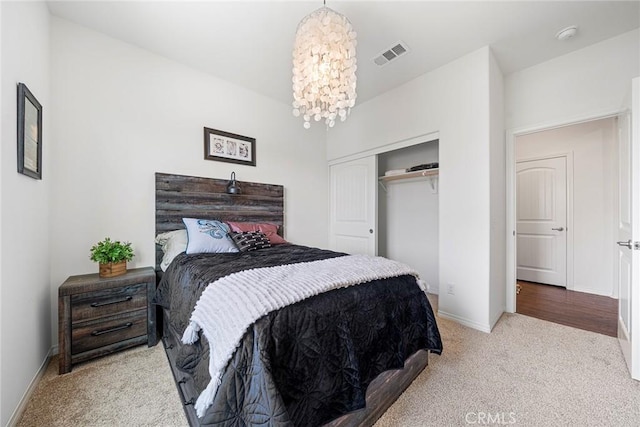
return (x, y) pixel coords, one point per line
(309, 362)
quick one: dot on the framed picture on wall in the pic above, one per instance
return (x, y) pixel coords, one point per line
(229, 147)
(29, 133)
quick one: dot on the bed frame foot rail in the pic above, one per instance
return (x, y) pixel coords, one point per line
(383, 391)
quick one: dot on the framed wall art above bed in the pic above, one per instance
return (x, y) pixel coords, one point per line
(229, 147)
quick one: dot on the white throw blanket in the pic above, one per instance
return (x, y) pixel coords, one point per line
(231, 304)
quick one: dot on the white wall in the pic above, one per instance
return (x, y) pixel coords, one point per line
(593, 145)
(122, 113)
(24, 225)
(584, 83)
(2, 421)
(408, 214)
(453, 100)
(498, 193)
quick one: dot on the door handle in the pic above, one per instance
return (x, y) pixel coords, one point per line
(628, 244)
(558, 229)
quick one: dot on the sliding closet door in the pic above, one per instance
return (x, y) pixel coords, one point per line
(353, 206)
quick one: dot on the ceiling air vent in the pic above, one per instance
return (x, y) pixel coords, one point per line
(390, 54)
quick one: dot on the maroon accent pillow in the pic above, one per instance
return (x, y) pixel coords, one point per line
(269, 230)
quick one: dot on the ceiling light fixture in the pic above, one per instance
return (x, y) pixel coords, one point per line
(324, 67)
(567, 33)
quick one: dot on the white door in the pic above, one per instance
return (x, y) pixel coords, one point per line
(353, 206)
(629, 234)
(541, 221)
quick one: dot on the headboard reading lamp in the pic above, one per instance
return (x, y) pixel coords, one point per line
(232, 186)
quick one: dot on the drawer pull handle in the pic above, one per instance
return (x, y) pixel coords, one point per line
(116, 301)
(117, 328)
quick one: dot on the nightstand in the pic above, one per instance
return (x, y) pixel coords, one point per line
(99, 316)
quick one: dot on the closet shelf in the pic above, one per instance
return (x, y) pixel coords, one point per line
(414, 174)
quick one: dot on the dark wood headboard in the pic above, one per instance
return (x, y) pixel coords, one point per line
(180, 196)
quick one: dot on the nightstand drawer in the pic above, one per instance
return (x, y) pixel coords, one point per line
(93, 334)
(92, 305)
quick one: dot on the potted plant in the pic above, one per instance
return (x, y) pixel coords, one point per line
(112, 257)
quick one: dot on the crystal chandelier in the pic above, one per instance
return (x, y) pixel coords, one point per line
(324, 67)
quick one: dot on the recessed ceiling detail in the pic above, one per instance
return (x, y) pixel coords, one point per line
(390, 54)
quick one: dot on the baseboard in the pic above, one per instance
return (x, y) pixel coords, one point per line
(466, 322)
(433, 289)
(15, 417)
(625, 343)
(591, 291)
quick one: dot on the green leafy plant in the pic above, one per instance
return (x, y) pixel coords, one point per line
(108, 251)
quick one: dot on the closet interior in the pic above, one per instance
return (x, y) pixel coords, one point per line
(408, 209)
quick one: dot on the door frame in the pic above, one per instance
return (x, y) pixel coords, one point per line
(635, 297)
(568, 156)
(511, 135)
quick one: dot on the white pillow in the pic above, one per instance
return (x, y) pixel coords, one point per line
(173, 243)
(208, 236)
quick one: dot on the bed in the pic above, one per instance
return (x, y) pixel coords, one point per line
(340, 358)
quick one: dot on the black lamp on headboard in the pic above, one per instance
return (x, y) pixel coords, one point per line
(232, 186)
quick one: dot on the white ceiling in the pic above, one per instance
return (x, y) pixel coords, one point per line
(250, 43)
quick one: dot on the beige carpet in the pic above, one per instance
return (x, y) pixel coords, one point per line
(527, 372)
(131, 388)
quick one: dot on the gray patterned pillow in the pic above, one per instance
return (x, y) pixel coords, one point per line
(208, 236)
(250, 241)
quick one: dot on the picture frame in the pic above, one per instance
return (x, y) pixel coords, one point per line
(229, 147)
(29, 133)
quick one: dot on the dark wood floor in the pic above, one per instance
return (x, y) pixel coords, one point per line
(577, 309)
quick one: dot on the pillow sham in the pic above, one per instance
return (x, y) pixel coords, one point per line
(269, 230)
(248, 241)
(208, 236)
(172, 243)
